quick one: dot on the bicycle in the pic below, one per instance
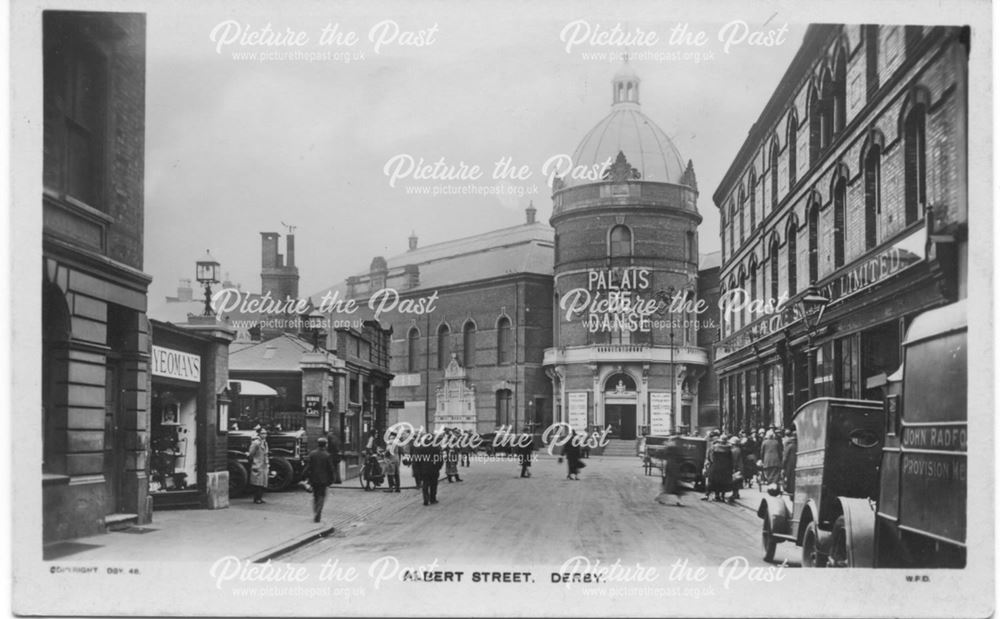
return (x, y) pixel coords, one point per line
(371, 475)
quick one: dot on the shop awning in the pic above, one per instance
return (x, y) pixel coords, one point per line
(252, 387)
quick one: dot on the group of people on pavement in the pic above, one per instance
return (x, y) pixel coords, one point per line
(735, 461)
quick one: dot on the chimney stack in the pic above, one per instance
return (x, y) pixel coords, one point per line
(530, 211)
(413, 240)
(290, 249)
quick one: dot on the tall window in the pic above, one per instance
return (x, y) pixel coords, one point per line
(412, 350)
(444, 346)
(774, 269)
(620, 244)
(733, 214)
(743, 208)
(871, 59)
(469, 344)
(75, 79)
(839, 220)
(743, 289)
(914, 138)
(723, 222)
(873, 191)
(504, 416)
(793, 130)
(752, 190)
(813, 242)
(753, 286)
(826, 110)
(792, 256)
(692, 249)
(839, 102)
(815, 126)
(503, 341)
(774, 174)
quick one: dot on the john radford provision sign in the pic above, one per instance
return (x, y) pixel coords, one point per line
(171, 363)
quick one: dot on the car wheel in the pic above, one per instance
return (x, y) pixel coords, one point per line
(237, 478)
(838, 545)
(280, 476)
(768, 543)
(811, 554)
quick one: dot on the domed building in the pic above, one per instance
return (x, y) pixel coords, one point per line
(626, 242)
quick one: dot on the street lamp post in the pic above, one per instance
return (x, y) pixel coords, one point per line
(811, 306)
(207, 273)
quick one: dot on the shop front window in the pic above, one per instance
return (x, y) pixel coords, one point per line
(847, 364)
(173, 435)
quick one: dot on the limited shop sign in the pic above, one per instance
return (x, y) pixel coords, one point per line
(171, 363)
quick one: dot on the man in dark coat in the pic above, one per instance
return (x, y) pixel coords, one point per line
(319, 471)
(789, 458)
(333, 447)
(720, 468)
(427, 461)
(525, 449)
(572, 451)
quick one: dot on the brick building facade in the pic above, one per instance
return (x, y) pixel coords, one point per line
(95, 339)
(849, 195)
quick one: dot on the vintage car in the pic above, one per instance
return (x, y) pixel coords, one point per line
(839, 446)
(691, 450)
(287, 457)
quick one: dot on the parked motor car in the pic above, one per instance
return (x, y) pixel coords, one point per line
(287, 458)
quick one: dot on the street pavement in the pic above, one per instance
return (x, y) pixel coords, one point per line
(494, 515)
(610, 514)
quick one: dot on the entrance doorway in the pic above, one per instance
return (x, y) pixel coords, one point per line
(621, 418)
(114, 443)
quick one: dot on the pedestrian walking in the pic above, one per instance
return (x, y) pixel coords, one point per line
(319, 471)
(391, 463)
(259, 470)
(737, 473)
(709, 441)
(770, 455)
(427, 463)
(526, 449)
(572, 453)
(789, 459)
(671, 482)
(451, 461)
(720, 469)
(465, 451)
(333, 448)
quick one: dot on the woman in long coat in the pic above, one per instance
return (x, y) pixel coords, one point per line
(770, 455)
(720, 469)
(259, 469)
(572, 453)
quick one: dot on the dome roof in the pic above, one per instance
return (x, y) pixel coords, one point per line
(645, 146)
(627, 130)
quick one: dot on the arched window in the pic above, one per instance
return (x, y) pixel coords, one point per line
(872, 167)
(774, 269)
(826, 94)
(774, 173)
(871, 60)
(753, 286)
(839, 219)
(815, 126)
(915, 158)
(752, 190)
(792, 257)
(839, 102)
(813, 223)
(793, 130)
(742, 283)
(743, 208)
(504, 416)
(732, 228)
(469, 344)
(620, 244)
(412, 350)
(444, 346)
(503, 341)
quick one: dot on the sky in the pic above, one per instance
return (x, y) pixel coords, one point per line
(236, 145)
